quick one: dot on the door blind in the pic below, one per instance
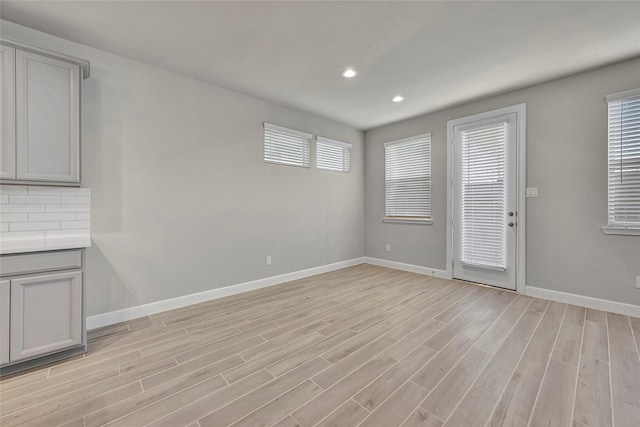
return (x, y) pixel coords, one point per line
(333, 155)
(624, 160)
(484, 196)
(286, 146)
(408, 177)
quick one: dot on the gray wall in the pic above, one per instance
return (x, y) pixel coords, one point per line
(566, 158)
(181, 199)
(182, 202)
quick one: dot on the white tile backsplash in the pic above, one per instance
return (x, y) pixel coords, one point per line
(65, 234)
(13, 217)
(33, 199)
(75, 200)
(69, 225)
(68, 208)
(42, 216)
(13, 189)
(34, 226)
(52, 191)
(8, 208)
(54, 216)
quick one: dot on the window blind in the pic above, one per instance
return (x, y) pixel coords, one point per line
(484, 196)
(286, 146)
(408, 177)
(624, 159)
(333, 155)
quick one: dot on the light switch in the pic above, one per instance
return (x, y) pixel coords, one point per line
(532, 191)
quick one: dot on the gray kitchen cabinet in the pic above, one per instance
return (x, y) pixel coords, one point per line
(46, 314)
(41, 308)
(47, 118)
(40, 102)
(5, 298)
(7, 114)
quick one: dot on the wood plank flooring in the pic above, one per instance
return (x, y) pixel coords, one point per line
(363, 346)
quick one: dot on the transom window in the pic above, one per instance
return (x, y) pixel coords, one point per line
(286, 146)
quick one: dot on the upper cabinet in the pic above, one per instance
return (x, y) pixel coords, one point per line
(8, 116)
(41, 95)
(47, 119)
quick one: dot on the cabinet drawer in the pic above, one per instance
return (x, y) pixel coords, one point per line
(12, 265)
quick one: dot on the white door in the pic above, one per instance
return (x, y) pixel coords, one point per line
(8, 113)
(485, 217)
(47, 117)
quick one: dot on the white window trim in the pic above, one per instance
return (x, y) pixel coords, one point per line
(333, 142)
(621, 229)
(407, 220)
(407, 139)
(415, 221)
(289, 130)
(621, 96)
(628, 231)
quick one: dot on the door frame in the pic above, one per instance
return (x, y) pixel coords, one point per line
(521, 154)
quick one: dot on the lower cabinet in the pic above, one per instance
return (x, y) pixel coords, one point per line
(41, 308)
(5, 302)
(46, 314)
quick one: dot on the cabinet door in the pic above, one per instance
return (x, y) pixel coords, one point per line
(7, 115)
(46, 314)
(4, 321)
(47, 117)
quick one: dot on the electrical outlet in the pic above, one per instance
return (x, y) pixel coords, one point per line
(388, 248)
(268, 260)
(638, 282)
(532, 191)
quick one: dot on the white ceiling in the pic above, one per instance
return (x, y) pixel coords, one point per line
(436, 54)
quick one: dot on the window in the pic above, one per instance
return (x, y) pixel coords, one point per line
(624, 162)
(408, 179)
(333, 155)
(286, 146)
(483, 194)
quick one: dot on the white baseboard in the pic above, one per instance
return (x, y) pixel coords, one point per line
(407, 267)
(584, 301)
(130, 313)
(564, 297)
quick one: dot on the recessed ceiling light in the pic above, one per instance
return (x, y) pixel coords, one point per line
(398, 98)
(349, 73)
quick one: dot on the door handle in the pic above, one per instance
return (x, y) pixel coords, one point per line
(511, 224)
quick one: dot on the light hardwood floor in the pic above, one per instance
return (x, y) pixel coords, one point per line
(364, 346)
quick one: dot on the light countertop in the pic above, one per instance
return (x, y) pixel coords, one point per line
(37, 245)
